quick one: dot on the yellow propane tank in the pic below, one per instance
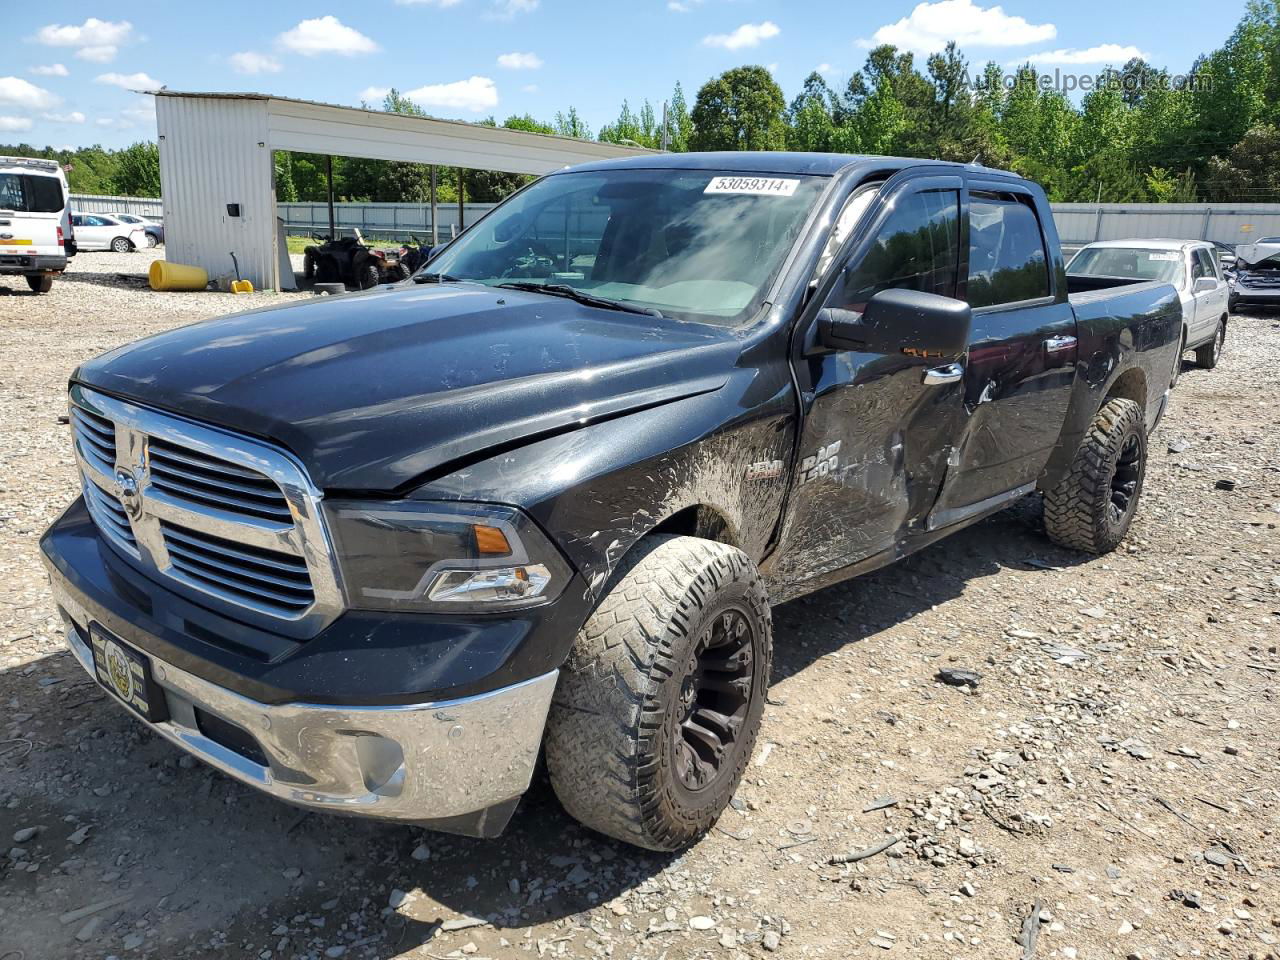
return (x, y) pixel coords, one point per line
(176, 276)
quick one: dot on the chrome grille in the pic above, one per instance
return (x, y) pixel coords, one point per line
(261, 576)
(213, 483)
(96, 438)
(110, 516)
(228, 517)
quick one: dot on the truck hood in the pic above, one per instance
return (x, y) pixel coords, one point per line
(373, 391)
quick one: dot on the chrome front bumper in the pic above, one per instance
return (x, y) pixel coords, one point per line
(420, 763)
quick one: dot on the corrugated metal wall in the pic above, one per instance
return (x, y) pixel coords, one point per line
(393, 220)
(212, 153)
(1231, 223)
(103, 203)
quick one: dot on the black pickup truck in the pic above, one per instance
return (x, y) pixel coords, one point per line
(377, 554)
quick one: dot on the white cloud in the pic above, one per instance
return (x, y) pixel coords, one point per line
(930, 26)
(826, 68)
(683, 6)
(75, 116)
(529, 88)
(747, 35)
(772, 67)
(247, 61)
(373, 94)
(103, 54)
(14, 91)
(50, 70)
(325, 35)
(128, 81)
(475, 94)
(1112, 53)
(9, 124)
(506, 9)
(143, 110)
(97, 41)
(519, 61)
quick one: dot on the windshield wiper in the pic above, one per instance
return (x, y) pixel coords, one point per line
(573, 293)
(435, 278)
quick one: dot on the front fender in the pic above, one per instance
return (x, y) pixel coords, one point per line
(598, 490)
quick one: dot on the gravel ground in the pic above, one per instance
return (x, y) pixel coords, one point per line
(1116, 764)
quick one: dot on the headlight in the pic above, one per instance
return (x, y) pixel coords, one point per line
(415, 555)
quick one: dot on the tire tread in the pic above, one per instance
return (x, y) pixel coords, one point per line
(604, 732)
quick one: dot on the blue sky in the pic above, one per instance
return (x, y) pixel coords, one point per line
(69, 67)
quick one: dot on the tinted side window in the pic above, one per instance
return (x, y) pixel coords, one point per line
(917, 249)
(1007, 261)
(1206, 263)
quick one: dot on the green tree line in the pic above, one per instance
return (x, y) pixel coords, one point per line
(1138, 133)
(131, 172)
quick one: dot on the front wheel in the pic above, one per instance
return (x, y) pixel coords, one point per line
(121, 245)
(1207, 357)
(369, 276)
(151, 241)
(660, 701)
(1093, 506)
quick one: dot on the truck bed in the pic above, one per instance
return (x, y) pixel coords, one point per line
(1084, 283)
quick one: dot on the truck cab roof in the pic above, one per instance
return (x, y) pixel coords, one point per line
(811, 164)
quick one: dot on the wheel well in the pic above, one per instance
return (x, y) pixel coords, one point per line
(699, 520)
(1130, 385)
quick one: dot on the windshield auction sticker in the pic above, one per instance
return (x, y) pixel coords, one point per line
(759, 186)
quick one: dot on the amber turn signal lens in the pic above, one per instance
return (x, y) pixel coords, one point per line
(491, 540)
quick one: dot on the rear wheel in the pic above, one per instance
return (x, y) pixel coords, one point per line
(40, 283)
(1207, 357)
(1092, 508)
(659, 703)
(370, 276)
(308, 265)
(121, 245)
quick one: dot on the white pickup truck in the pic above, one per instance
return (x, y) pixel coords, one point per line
(35, 224)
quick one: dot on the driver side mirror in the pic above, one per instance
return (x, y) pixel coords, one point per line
(1205, 285)
(909, 322)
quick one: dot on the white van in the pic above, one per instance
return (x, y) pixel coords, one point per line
(35, 220)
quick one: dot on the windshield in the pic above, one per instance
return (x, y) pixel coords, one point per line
(30, 193)
(1132, 262)
(692, 244)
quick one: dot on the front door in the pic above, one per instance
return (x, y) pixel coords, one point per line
(872, 447)
(1022, 355)
(1210, 304)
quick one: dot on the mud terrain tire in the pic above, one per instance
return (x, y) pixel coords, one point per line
(659, 703)
(1092, 507)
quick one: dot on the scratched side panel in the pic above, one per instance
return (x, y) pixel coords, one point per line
(599, 489)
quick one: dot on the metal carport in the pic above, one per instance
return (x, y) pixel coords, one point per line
(216, 170)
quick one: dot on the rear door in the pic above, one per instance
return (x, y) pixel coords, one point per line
(31, 206)
(875, 428)
(94, 233)
(1022, 353)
